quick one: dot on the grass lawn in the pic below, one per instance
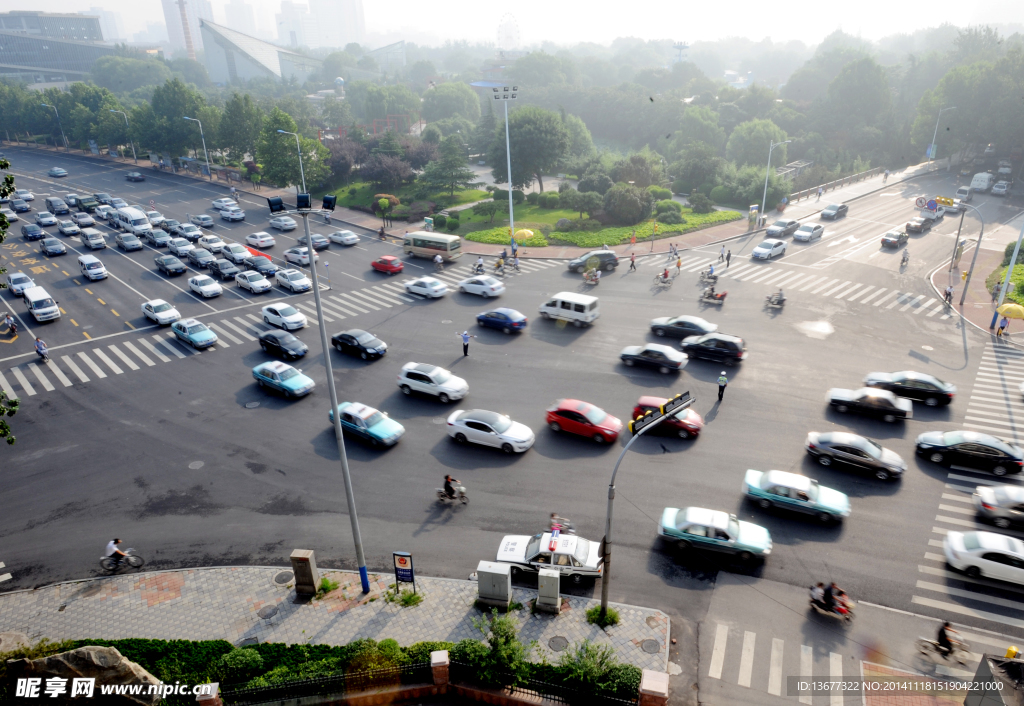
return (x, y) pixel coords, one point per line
(360, 193)
(1013, 292)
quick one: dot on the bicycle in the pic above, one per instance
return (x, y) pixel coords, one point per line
(113, 563)
(661, 281)
(438, 267)
(961, 652)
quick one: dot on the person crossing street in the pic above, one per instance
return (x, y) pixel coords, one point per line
(728, 256)
(723, 381)
(632, 262)
(721, 254)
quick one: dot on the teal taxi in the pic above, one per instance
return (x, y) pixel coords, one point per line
(792, 491)
(714, 530)
(283, 378)
(368, 424)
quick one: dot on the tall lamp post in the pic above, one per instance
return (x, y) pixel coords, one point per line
(935, 135)
(47, 105)
(767, 172)
(505, 95)
(209, 172)
(977, 247)
(126, 130)
(302, 172)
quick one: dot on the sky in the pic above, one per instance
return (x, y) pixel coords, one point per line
(432, 23)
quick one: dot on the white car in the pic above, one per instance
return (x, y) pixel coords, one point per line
(260, 240)
(1001, 188)
(24, 195)
(45, 218)
(212, 243)
(344, 237)
(808, 232)
(235, 253)
(432, 380)
(201, 220)
(205, 286)
(10, 215)
(68, 228)
(221, 204)
(253, 281)
(769, 249)
(986, 554)
(283, 223)
(102, 211)
(161, 312)
(83, 219)
(180, 247)
(155, 218)
(429, 287)
(118, 203)
(299, 255)
(18, 282)
(285, 316)
(485, 286)
(233, 213)
(489, 429)
(293, 280)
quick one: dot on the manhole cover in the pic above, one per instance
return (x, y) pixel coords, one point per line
(283, 577)
(252, 405)
(652, 621)
(651, 647)
(558, 643)
(196, 465)
(439, 420)
(446, 321)
(245, 642)
(267, 611)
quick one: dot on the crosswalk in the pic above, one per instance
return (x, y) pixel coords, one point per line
(4, 577)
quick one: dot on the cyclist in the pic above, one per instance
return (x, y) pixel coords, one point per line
(114, 553)
(479, 265)
(944, 641)
(438, 263)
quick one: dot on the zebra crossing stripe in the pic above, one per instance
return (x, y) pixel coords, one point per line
(221, 333)
(846, 291)
(97, 370)
(354, 303)
(154, 351)
(328, 309)
(334, 303)
(829, 292)
(59, 374)
(784, 273)
(47, 385)
(139, 354)
(240, 332)
(901, 298)
(926, 306)
(912, 302)
(806, 669)
(385, 296)
(757, 276)
(359, 296)
(127, 361)
(75, 369)
(822, 286)
(865, 300)
(793, 280)
(890, 294)
(835, 668)
(718, 653)
(775, 668)
(862, 292)
(393, 291)
(337, 309)
(247, 326)
(106, 359)
(964, 610)
(814, 281)
(747, 658)
(167, 344)
(311, 310)
(23, 381)
(6, 387)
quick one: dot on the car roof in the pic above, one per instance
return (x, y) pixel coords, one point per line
(667, 350)
(575, 298)
(703, 516)
(566, 543)
(841, 437)
(480, 415)
(425, 368)
(574, 405)
(189, 322)
(388, 257)
(358, 409)
(651, 401)
(790, 480)
(722, 337)
(875, 392)
(511, 313)
(773, 241)
(998, 542)
(275, 366)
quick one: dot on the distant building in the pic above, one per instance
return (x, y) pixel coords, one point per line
(231, 56)
(195, 10)
(45, 48)
(389, 58)
(238, 15)
(339, 22)
(53, 25)
(296, 27)
(110, 24)
(155, 33)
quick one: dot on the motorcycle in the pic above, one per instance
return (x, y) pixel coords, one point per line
(706, 276)
(775, 300)
(564, 526)
(906, 258)
(44, 355)
(13, 329)
(460, 494)
(961, 653)
(843, 611)
(591, 278)
(713, 297)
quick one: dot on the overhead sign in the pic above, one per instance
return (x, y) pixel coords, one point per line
(921, 202)
(680, 401)
(932, 205)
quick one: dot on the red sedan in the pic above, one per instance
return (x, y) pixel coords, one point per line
(583, 418)
(685, 424)
(389, 263)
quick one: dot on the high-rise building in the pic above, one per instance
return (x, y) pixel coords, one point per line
(45, 47)
(339, 21)
(53, 25)
(194, 11)
(110, 24)
(296, 27)
(238, 15)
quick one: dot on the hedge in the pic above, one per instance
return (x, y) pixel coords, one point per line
(645, 230)
(499, 236)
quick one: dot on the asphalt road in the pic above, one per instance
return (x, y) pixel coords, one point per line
(168, 456)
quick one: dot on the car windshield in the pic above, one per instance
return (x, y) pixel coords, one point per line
(129, 239)
(780, 224)
(295, 276)
(197, 328)
(582, 550)
(203, 281)
(441, 376)
(94, 266)
(288, 374)
(734, 527)
(287, 340)
(806, 228)
(767, 245)
(44, 303)
(20, 280)
(872, 448)
(533, 545)
(595, 415)
(366, 338)
(162, 307)
(373, 419)
(971, 540)
(288, 311)
(501, 423)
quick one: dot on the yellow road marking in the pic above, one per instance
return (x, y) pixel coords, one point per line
(129, 325)
(114, 312)
(67, 275)
(100, 300)
(62, 310)
(86, 334)
(88, 290)
(73, 321)
(75, 280)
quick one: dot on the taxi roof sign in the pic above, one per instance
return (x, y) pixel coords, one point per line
(670, 406)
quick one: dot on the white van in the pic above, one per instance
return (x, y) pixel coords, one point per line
(982, 181)
(91, 267)
(41, 304)
(964, 193)
(131, 220)
(580, 309)
(92, 238)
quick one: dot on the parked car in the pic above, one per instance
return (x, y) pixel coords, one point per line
(570, 555)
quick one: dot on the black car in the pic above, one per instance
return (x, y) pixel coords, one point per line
(719, 347)
(103, 198)
(786, 226)
(835, 211)
(169, 264)
(654, 355)
(168, 224)
(52, 246)
(856, 451)
(602, 259)
(320, 242)
(200, 257)
(681, 326)
(30, 231)
(225, 269)
(358, 342)
(135, 176)
(283, 344)
(971, 449)
(20, 206)
(895, 238)
(156, 238)
(919, 225)
(261, 264)
(872, 402)
(914, 386)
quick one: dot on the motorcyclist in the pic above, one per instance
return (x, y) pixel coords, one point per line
(438, 262)
(778, 297)
(449, 489)
(12, 325)
(480, 264)
(906, 255)
(818, 595)
(557, 523)
(597, 276)
(665, 275)
(944, 641)
(499, 264)
(40, 347)
(710, 291)
(711, 271)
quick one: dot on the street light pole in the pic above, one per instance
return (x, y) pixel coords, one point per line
(62, 136)
(298, 149)
(129, 136)
(209, 172)
(505, 95)
(977, 247)
(767, 173)
(935, 135)
(1006, 278)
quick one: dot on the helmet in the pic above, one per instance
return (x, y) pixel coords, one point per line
(722, 373)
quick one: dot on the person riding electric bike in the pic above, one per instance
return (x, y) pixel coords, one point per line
(944, 642)
(41, 350)
(449, 489)
(479, 265)
(12, 325)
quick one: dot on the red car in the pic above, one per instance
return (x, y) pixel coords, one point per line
(583, 418)
(388, 263)
(685, 424)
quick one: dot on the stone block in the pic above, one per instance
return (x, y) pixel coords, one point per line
(439, 664)
(653, 688)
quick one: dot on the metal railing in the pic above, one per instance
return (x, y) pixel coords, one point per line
(337, 684)
(833, 185)
(461, 673)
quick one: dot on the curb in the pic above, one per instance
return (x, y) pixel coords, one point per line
(964, 319)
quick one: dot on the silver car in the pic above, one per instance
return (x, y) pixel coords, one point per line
(1002, 505)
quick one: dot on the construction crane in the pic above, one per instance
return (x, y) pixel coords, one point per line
(189, 48)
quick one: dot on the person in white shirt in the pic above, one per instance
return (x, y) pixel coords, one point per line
(113, 552)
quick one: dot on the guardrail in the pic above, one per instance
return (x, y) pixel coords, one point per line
(333, 685)
(833, 185)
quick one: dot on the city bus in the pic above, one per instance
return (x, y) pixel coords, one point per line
(424, 244)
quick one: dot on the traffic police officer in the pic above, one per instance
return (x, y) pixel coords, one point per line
(722, 382)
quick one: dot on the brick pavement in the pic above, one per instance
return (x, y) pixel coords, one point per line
(245, 604)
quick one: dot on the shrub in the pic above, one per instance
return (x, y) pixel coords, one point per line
(551, 200)
(564, 224)
(439, 220)
(491, 188)
(502, 195)
(532, 198)
(611, 617)
(659, 192)
(469, 651)
(326, 586)
(564, 186)
(628, 205)
(1008, 253)
(499, 236)
(287, 673)
(623, 681)
(595, 181)
(238, 665)
(671, 218)
(453, 225)
(454, 215)
(701, 203)
(506, 663)
(420, 651)
(584, 667)
(668, 205)
(721, 194)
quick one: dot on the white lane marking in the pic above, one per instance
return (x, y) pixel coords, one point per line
(362, 296)
(790, 281)
(97, 371)
(127, 361)
(382, 296)
(139, 354)
(822, 286)
(806, 669)
(890, 294)
(718, 654)
(334, 302)
(758, 278)
(963, 610)
(784, 273)
(835, 669)
(23, 381)
(912, 302)
(6, 387)
(312, 312)
(814, 281)
(747, 658)
(356, 304)
(862, 292)
(972, 595)
(106, 359)
(830, 292)
(775, 668)
(240, 332)
(249, 326)
(846, 291)
(222, 333)
(47, 385)
(332, 307)
(167, 344)
(154, 351)
(53, 367)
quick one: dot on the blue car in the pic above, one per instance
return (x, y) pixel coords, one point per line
(283, 378)
(368, 424)
(30, 231)
(505, 320)
(195, 333)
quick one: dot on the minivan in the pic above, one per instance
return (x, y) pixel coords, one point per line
(965, 194)
(91, 267)
(56, 205)
(41, 304)
(580, 309)
(131, 220)
(92, 239)
(982, 181)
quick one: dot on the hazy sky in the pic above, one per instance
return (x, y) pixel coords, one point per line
(434, 22)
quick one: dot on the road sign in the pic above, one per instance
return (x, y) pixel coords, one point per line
(404, 572)
(152, 202)
(944, 200)
(932, 205)
(921, 202)
(680, 401)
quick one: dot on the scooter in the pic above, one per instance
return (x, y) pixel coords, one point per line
(591, 279)
(714, 298)
(906, 258)
(564, 526)
(13, 329)
(44, 355)
(775, 300)
(706, 276)
(840, 612)
(460, 495)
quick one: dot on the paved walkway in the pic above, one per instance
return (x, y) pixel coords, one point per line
(244, 605)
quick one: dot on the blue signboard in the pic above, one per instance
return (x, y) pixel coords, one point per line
(404, 572)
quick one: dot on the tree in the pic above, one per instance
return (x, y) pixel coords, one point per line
(277, 155)
(192, 71)
(421, 72)
(456, 125)
(449, 171)
(484, 132)
(386, 172)
(581, 144)
(750, 141)
(389, 145)
(538, 69)
(382, 101)
(335, 112)
(450, 100)
(589, 202)
(698, 166)
(628, 204)
(345, 155)
(486, 208)
(568, 198)
(642, 168)
(168, 131)
(539, 141)
(240, 126)
(419, 153)
(335, 64)
(595, 180)
(699, 124)
(8, 407)
(123, 75)
(859, 95)
(432, 134)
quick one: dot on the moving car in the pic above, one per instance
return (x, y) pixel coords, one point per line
(71, 200)
(972, 450)
(261, 264)
(786, 226)
(104, 212)
(834, 211)
(681, 326)
(584, 419)
(201, 220)
(920, 387)
(253, 281)
(68, 228)
(359, 343)
(919, 225)
(235, 252)
(169, 264)
(368, 424)
(871, 401)
(205, 286)
(194, 332)
(699, 528)
(484, 286)
(719, 347)
(293, 280)
(284, 315)
(225, 269)
(504, 319)
(808, 232)
(489, 429)
(221, 204)
(52, 246)
(260, 240)
(283, 344)
(10, 215)
(388, 263)
(792, 491)
(343, 237)
(283, 223)
(118, 203)
(431, 380)
(895, 238)
(654, 355)
(685, 423)
(83, 219)
(24, 195)
(135, 176)
(157, 238)
(200, 257)
(57, 172)
(1002, 505)
(20, 206)
(769, 248)
(283, 378)
(429, 287)
(127, 242)
(30, 231)
(977, 554)
(57, 206)
(234, 213)
(92, 239)
(180, 247)
(597, 259)
(18, 282)
(160, 311)
(168, 224)
(856, 451)
(320, 242)
(568, 554)
(45, 219)
(212, 243)
(299, 255)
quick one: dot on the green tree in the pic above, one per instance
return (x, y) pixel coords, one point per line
(431, 134)
(643, 169)
(123, 75)
(277, 155)
(8, 407)
(486, 208)
(568, 199)
(539, 141)
(382, 101)
(335, 65)
(628, 204)
(386, 172)
(699, 124)
(449, 171)
(538, 69)
(191, 71)
(389, 145)
(336, 112)
(581, 144)
(240, 127)
(859, 95)
(750, 141)
(169, 131)
(699, 166)
(595, 180)
(484, 132)
(449, 100)
(421, 72)
(589, 202)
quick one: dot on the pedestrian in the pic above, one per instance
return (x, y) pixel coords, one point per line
(327, 217)
(465, 341)
(721, 254)
(515, 261)
(819, 193)
(1003, 323)
(679, 264)
(886, 177)
(948, 296)
(632, 262)
(995, 289)
(380, 233)
(632, 240)
(722, 382)
(728, 256)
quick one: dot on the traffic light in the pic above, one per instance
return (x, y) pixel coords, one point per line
(276, 204)
(303, 202)
(640, 422)
(330, 201)
(670, 404)
(943, 200)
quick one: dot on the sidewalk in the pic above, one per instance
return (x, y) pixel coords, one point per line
(246, 605)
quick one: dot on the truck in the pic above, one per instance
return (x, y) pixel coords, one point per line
(88, 204)
(982, 181)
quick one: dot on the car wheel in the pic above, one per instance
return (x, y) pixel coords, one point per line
(544, 315)
(598, 438)
(609, 267)
(485, 295)
(665, 370)
(824, 517)
(460, 438)
(932, 402)
(263, 346)
(936, 458)
(882, 474)
(507, 448)
(729, 362)
(683, 433)
(842, 408)
(576, 579)
(683, 545)
(443, 398)
(363, 355)
(659, 332)
(973, 572)
(889, 418)
(462, 290)
(506, 330)
(629, 361)
(744, 556)
(580, 270)
(825, 460)
(578, 324)
(765, 503)
(406, 390)
(999, 471)
(260, 383)
(337, 347)
(1001, 522)
(555, 426)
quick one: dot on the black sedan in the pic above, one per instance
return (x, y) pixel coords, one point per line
(834, 211)
(854, 451)
(970, 449)
(169, 264)
(320, 242)
(168, 224)
(261, 264)
(718, 347)
(225, 269)
(786, 226)
(283, 344)
(914, 386)
(200, 257)
(895, 238)
(20, 206)
(103, 198)
(654, 355)
(52, 246)
(358, 342)
(135, 176)
(681, 326)
(919, 225)
(872, 402)
(30, 231)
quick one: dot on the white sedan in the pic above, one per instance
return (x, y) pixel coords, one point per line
(489, 429)
(45, 218)
(986, 554)
(10, 215)
(429, 287)
(299, 255)
(285, 316)
(234, 213)
(260, 240)
(221, 204)
(205, 286)
(484, 286)
(155, 218)
(212, 243)
(293, 280)
(283, 223)
(344, 237)
(253, 281)
(768, 249)
(18, 282)
(68, 228)
(83, 219)
(160, 311)
(24, 195)
(180, 246)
